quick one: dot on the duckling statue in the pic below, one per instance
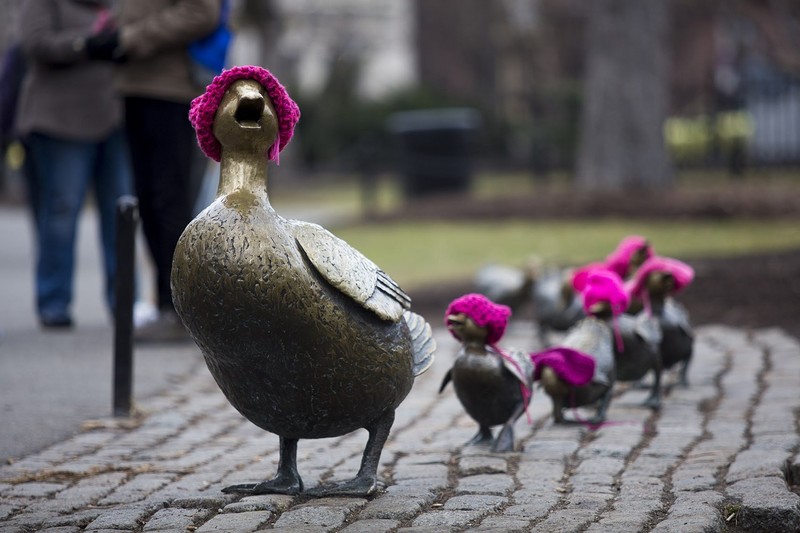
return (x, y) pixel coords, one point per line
(305, 336)
(507, 285)
(637, 352)
(656, 283)
(493, 385)
(558, 306)
(580, 370)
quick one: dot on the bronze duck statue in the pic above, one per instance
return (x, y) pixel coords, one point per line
(493, 385)
(305, 336)
(580, 370)
(638, 353)
(656, 283)
(557, 302)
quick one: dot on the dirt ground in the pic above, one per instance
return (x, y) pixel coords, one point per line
(750, 292)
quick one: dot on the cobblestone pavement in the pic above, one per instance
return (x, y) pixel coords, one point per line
(722, 455)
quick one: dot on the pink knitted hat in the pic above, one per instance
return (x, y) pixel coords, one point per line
(204, 108)
(572, 366)
(680, 271)
(580, 274)
(605, 286)
(620, 259)
(484, 312)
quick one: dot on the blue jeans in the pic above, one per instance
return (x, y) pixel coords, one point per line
(63, 171)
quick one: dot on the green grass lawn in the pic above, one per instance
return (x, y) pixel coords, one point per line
(422, 253)
(417, 254)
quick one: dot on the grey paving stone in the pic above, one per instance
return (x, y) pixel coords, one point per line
(411, 490)
(690, 524)
(416, 471)
(266, 502)
(757, 463)
(175, 519)
(447, 519)
(371, 526)
(531, 510)
(767, 504)
(475, 502)
(557, 450)
(390, 506)
(235, 522)
(323, 516)
(79, 518)
(482, 464)
(485, 484)
(126, 518)
(35, 490)
(564, 521)
(502, 524)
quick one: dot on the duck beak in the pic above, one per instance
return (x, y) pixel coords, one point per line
(455, 321)
(250, 110)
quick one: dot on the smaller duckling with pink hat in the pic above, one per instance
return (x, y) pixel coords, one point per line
(656, 283)
(580, 370)
(492, 384)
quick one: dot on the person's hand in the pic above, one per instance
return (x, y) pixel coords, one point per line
(105, 46)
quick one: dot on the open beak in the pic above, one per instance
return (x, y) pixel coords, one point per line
(250, 110)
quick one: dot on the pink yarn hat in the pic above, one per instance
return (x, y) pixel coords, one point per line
(572, 366)
(605, 286)
(484, 312)
(682, 273)
(204, 109)
(620, 259)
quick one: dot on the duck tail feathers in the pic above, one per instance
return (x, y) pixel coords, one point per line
(422, 340)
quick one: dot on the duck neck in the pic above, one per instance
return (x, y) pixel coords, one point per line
(242, 170)
(474, 346)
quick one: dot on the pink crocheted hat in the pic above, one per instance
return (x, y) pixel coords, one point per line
(572, 366)
(620, 259)
(484, 312)
(204, 108)
(580, 274)
(605, 286)
(682, 273)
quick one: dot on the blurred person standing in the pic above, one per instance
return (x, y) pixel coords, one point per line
(71, 121)
(157, 82)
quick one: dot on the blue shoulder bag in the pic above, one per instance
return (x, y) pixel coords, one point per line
(209, 53)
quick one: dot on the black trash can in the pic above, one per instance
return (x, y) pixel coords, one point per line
(433, 149)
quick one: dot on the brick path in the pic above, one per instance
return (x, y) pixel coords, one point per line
(717, 457)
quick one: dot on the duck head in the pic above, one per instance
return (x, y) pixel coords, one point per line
(246, 119)
(244, 108)
(463, 328)
(488, 319)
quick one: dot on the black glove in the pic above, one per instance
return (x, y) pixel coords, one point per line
(104, 46)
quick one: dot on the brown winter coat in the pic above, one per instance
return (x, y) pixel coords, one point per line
(64, 94)
(155, 35)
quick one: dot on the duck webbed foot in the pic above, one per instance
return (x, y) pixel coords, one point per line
(505, 439)
(360, 486)
(286, 481)
(365, 483)
(483, 436)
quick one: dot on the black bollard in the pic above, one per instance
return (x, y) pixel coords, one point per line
(127, 221)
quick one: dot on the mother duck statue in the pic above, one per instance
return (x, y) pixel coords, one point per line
(306, 337)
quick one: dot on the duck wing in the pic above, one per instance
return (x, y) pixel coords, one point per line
(350, 271)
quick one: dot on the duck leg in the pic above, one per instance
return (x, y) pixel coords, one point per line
(286, 481)
(505, 439)
(483, 436)
(654, 400)
(366, 481)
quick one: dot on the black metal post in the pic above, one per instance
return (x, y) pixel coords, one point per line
(124, 289)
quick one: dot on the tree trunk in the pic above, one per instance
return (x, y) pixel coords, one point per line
(626, 96)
